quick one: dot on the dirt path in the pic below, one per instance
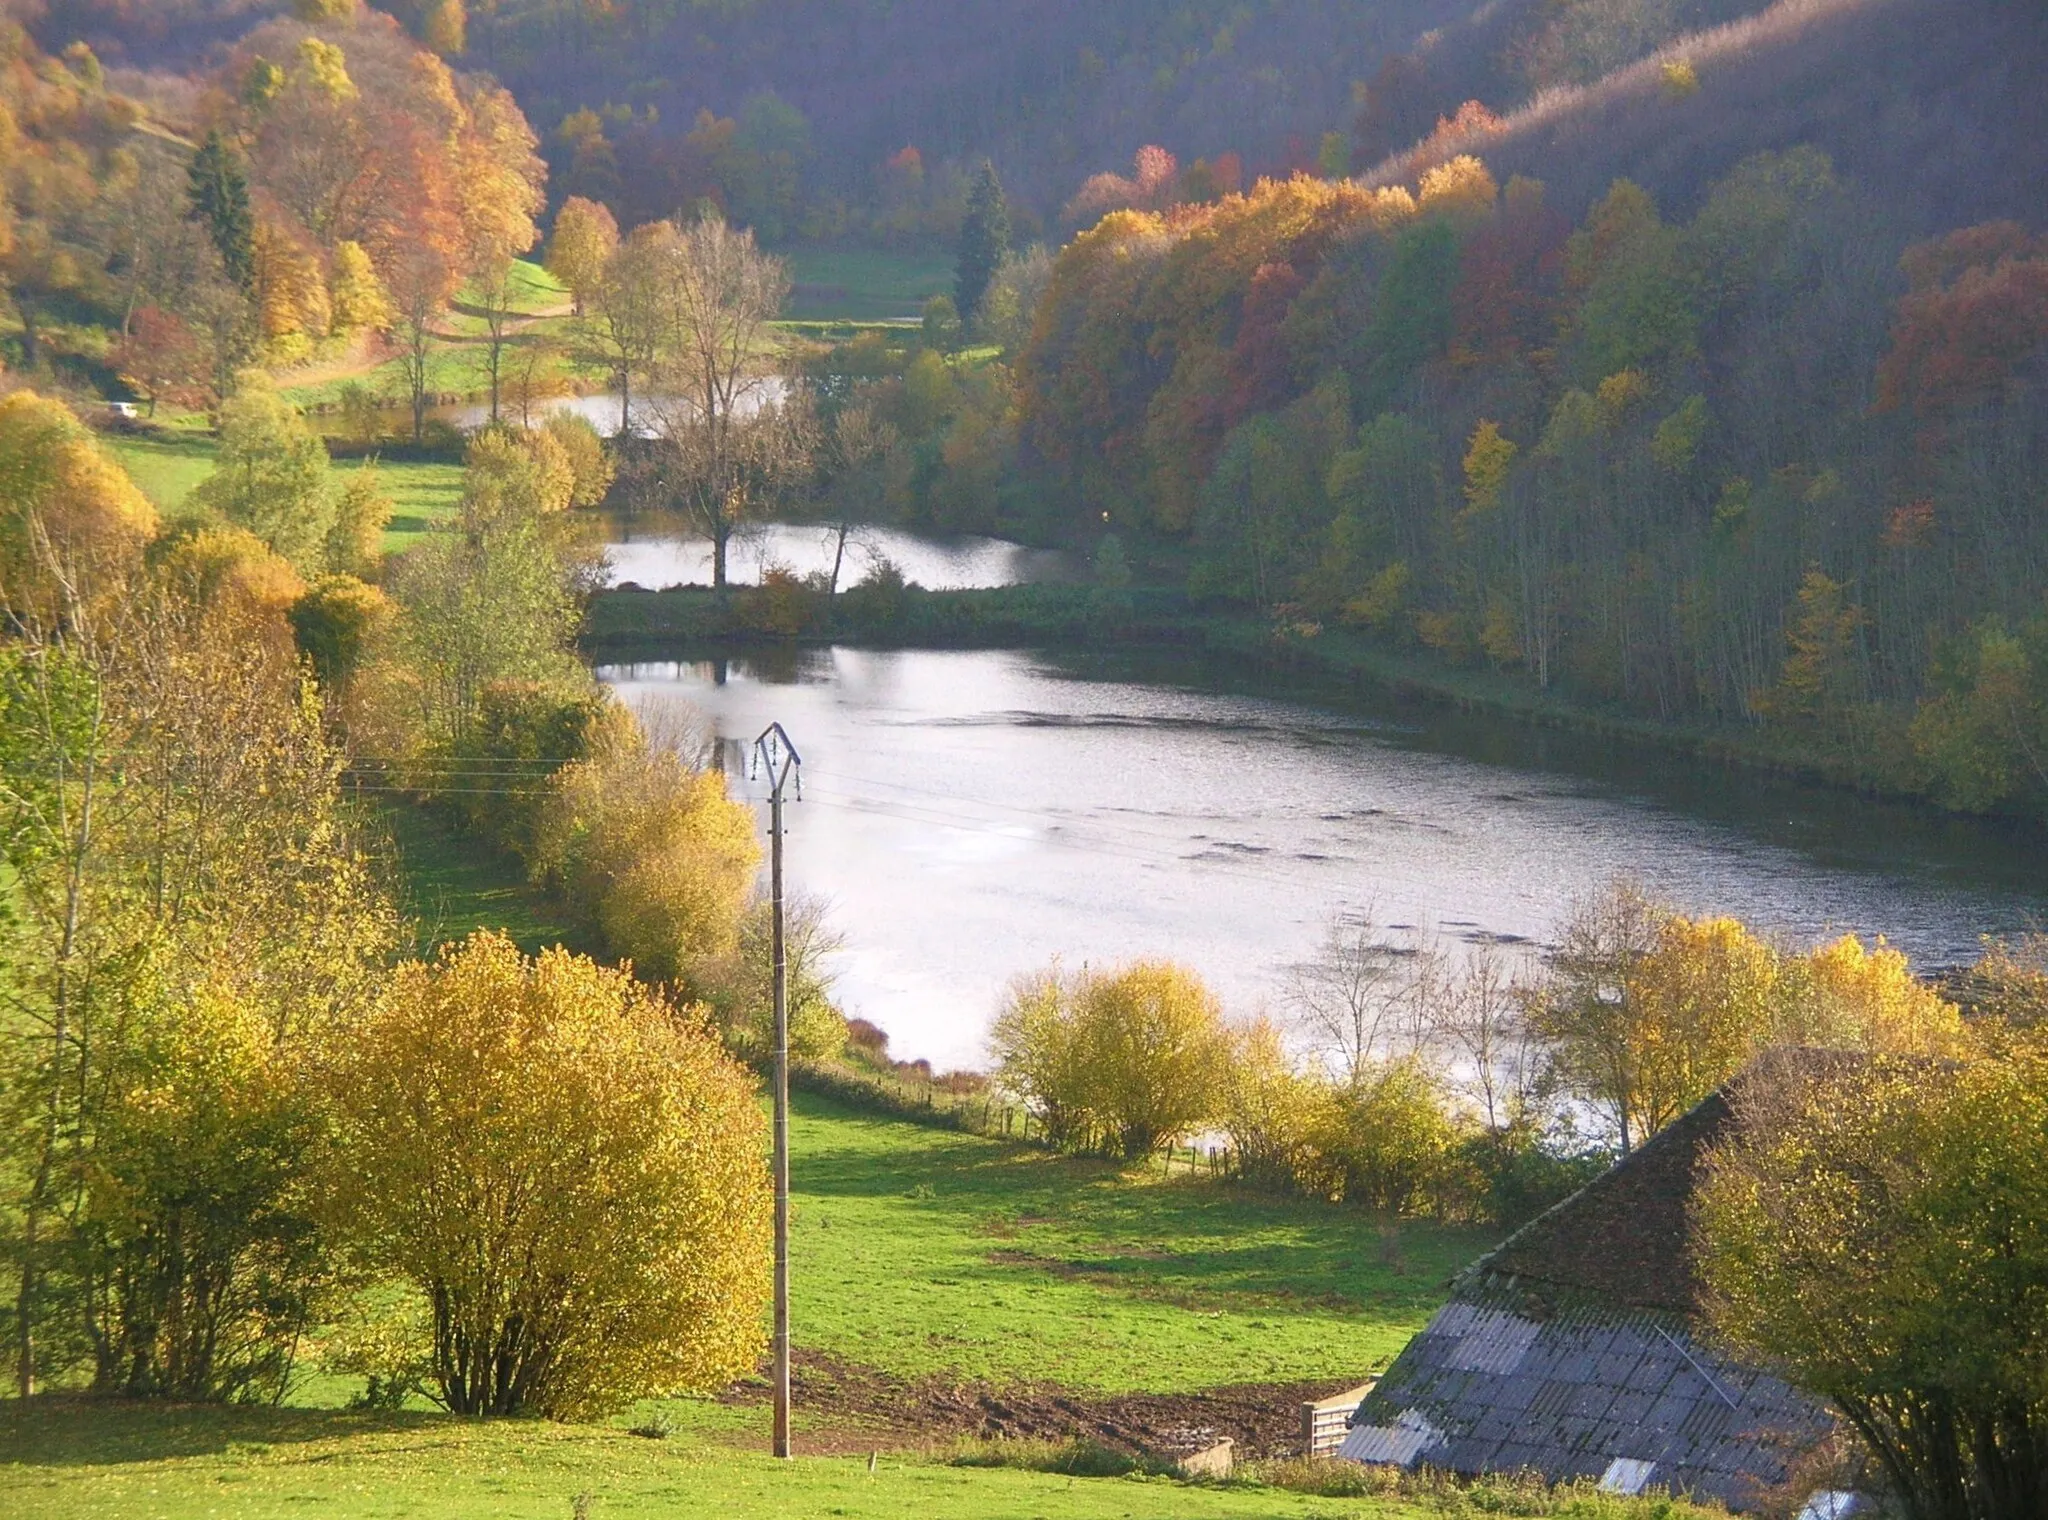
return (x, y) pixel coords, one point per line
(862, 1406)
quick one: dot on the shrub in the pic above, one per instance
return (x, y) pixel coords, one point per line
(650, 850)
(568, 1168)
(1395, 1141)
(335, 624)
(1122, 1060)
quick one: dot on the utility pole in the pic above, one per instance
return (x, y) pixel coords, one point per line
(774, 751)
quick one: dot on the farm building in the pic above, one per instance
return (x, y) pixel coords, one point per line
(1570, 1351)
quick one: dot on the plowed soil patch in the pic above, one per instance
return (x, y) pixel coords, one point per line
(850, 1407)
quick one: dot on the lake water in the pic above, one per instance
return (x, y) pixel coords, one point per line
(652, 551)
(973, 814)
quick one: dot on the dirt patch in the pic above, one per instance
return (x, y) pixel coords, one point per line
(863, 1407)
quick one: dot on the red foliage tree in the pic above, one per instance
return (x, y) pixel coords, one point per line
(160, 354)
(1977, 310)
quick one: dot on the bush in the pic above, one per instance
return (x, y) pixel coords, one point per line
(1122, 1060)
(651, 851)
(335, 624)
(569, 1169)
(1395, 1143)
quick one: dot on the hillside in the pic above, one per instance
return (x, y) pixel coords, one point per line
(1930, 107)
(1709, 391)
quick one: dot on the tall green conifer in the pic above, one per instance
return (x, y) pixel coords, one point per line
(984, 239)
(219, 192)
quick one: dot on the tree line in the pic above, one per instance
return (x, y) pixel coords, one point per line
(1402, 1078)
(238, 1136)
(1753, 468)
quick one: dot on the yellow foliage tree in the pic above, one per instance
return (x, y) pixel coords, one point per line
(359, 302)
(1127, 1059)
(71, 521)
(651, 850)
(570, 1171)
(1488, 456)
(1849, 997)
(1461, 189)
(585, 238)
(1873, 1231)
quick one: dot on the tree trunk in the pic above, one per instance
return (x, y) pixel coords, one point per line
(721, 536)
(838, 558)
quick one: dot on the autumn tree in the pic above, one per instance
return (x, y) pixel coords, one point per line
(583, 242)
(271, 473)
(569, 1171)
(1123, 1059)
(72, 524)
(1873, 1229)
(421, 282)
(492, 599)
(190, 910)
(732, 438)
(160, 353)
(658, 857)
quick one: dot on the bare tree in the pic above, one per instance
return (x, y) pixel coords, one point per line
(621, 327)
(860, 442)
(1477, 1018)
(419, 289)
(733, 438)
(1357, 1000)
(492, 289)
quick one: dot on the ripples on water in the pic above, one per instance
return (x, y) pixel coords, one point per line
(971, 815)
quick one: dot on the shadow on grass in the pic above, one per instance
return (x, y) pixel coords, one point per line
(1191, 1241)
(77, 1431)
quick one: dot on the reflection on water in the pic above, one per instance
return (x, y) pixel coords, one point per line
(974, 814)
(649, 550)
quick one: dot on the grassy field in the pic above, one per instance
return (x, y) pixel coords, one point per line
(449, 884)
(167, 465)
(130, 1464)
(917, 1252)
(924, 1251)
(864, 284)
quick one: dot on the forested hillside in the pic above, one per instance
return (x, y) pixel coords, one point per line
(1712, 389)
(836, 119)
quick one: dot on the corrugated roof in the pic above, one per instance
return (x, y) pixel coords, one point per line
(1570, 1349)
(1486, 1389)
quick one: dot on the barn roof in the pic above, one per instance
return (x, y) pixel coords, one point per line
(1623, 1237)
(1570, 1351)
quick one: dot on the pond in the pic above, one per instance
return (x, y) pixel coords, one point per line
(971, 815)
(655, 550)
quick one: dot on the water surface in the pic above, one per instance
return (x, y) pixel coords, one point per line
(653, 550)
(973, 814)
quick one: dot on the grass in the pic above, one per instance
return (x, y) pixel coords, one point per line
(864, 284)
(126, 1463)
(925, 1251)
(450, 884)
(167, 465)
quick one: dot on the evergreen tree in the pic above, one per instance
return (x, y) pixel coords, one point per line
(219, 192)
(984, 239)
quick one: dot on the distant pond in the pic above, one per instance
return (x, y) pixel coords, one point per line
(972, 814)
(654, 551)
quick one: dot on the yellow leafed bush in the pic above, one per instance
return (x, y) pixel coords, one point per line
(570, 1170)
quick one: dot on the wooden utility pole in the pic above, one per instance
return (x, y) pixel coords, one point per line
(774, 751)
